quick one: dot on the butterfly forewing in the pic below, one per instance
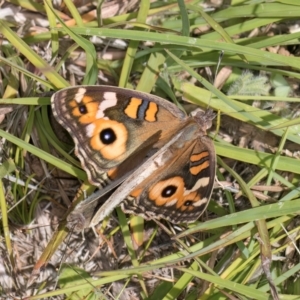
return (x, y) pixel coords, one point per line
(114, 129)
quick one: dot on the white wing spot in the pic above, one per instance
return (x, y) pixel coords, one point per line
(109, 100)
(79, 95)
(90, 130)
(200, 183)
(200, 202)
(170, 203)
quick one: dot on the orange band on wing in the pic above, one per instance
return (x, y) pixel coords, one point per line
(197, 169)
(151, 112)
(132, 108)
(197, 157)
(141, 109)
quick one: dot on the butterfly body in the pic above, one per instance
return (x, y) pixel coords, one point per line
(166, 157)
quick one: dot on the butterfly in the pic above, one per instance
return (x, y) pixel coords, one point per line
(158, 162)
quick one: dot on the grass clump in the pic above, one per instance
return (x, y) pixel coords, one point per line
(246, 245)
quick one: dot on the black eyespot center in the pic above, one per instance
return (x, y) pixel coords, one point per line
(107, 136)
(188, 203)
(82, 109)
(169, 191)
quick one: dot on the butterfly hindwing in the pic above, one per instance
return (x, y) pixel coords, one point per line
(180, 190)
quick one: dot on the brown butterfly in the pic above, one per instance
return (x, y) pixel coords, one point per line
(166, 157)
